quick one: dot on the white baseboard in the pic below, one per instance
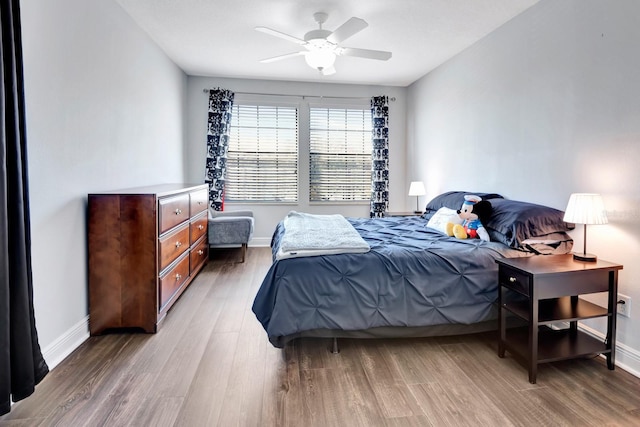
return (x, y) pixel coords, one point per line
(627, 358)
(260, 242)
(57, 351)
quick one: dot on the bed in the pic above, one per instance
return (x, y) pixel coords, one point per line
(413, 281)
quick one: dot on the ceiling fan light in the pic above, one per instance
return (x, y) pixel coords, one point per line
(320, 58)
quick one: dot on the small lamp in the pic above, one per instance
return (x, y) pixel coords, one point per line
(585, 208)
(417, 189)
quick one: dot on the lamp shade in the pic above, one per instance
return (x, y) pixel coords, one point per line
(585, 208)
(417, 189)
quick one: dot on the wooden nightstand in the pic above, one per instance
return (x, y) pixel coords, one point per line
(542, 290)
(408, 213)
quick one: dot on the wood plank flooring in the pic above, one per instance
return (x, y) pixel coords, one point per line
(211, 365)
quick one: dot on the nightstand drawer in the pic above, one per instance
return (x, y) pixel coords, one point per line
(573, 283)
(514, 280)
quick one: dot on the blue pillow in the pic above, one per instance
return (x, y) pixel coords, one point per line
(453, 200)
(512, 222)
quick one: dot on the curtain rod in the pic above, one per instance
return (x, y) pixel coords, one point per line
(393, 98)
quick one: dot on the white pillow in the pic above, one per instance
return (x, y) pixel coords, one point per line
(442, 217)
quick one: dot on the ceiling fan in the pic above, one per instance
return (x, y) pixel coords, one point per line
(322, 46)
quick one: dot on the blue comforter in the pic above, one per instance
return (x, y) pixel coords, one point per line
(413, 276)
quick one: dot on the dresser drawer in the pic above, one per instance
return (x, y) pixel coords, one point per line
(198, 227)
(199, 254)
(198, 201)
(172, 211)
(514, 279)
(172, 245)
(172, 280)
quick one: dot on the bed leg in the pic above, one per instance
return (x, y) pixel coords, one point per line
(334, 348)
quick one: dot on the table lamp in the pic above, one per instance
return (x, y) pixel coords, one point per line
(417, 189)
(586, 209)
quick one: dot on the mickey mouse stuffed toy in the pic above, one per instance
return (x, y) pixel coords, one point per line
(473, 213)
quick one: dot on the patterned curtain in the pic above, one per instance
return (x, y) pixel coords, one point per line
(380, 156)
(220, 104)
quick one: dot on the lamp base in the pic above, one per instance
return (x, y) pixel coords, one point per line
(585, 257)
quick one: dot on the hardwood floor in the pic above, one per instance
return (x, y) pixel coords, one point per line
(211, 365)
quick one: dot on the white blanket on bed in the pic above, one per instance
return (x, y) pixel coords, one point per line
(311, 235)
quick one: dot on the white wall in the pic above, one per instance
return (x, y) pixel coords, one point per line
(105, 110)
(547, 105)
(268, 215)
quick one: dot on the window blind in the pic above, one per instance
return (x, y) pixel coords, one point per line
(262, 161)
(340, 154)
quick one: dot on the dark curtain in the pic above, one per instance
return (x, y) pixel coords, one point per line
(380, 156)
(21, 363)
(220, 104)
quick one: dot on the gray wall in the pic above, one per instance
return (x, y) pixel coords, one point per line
(267, 215)
(547, 105)
(105, 110)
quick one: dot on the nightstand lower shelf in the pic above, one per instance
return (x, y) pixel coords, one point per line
(554, 344)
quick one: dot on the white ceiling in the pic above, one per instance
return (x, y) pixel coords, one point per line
(217, 37)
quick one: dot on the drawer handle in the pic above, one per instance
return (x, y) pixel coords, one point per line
(200, 252)
(178, 244)
(178, 211)
(178, 276)
(513, 279)
(200, 202)
(200, 227)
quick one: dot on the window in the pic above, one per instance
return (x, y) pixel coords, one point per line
(339, 154)
(262, 161)
(273, 137)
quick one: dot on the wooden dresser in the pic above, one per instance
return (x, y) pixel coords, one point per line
(145, 246)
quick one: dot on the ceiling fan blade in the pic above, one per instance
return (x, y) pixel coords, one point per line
(365, 53)
(281, 57)
(280, 35)
(346, 30)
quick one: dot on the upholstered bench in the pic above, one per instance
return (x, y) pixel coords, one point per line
(230, 228)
